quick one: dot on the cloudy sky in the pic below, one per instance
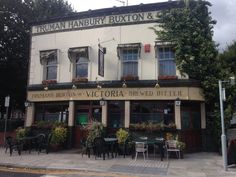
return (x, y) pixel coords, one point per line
(223, 11)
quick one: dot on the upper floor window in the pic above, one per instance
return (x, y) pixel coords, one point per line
(49, 60)
(129, 54)
(81, 67)
(80, 57)
(167, 66)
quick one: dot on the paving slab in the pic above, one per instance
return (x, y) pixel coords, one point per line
(193, 165)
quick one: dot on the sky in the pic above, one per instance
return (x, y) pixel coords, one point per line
(223, 11)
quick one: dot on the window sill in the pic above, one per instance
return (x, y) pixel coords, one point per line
(129, 78)
(47, 82)
(80, 80)
(167, 77)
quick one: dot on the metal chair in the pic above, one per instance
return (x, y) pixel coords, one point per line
(100, 148)
(171, 146)
(140, 147)
(145, 138)
(86, 148)
(43, 142)
(13, 145)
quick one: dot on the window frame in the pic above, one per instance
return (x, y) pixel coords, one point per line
(47, 64)
(75, 54)
(130, 48)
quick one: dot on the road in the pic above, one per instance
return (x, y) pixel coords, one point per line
(21, 172)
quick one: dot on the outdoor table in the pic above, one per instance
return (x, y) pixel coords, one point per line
(111, 142)
(28, 142)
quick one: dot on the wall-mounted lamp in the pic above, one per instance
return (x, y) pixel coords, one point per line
(124, 85)
(74, 86)
(102, 102)
(157, 85)
(27, 104)
(177, 102)
(99, 86)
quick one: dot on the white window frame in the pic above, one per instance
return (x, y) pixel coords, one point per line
(74, 54)
(120, 50)
(168, 59)
(44, 57)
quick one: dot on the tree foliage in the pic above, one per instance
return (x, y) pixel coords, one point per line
(190, 29)
(15, 16)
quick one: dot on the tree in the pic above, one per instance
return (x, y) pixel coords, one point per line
(190, 28)
(15, 16)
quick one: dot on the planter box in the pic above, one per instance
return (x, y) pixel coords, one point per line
(129, 78)
(80, 80)
(48, 82)
(167, 77)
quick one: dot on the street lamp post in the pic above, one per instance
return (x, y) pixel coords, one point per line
(223, 136)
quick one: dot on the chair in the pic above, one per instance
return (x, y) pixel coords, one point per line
(43, 142)
(140, 147)
(100, 148)
(171, 146)
(159, 146)
(145, 138)
(86, 149)
(12, 145)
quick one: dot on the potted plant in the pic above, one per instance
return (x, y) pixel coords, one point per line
(122, 135)
(95, 129)
(21, 133)
(59, 135)
(125, 145)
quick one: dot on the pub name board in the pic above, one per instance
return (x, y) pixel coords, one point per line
(115, 94)
(141, 17)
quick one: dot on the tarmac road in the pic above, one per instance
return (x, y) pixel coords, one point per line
(22, 172)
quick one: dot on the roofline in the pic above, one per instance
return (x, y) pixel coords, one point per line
(112, 11)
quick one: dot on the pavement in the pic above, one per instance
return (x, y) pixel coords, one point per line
(193, 165)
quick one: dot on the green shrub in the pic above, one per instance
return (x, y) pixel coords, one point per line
(122, 135)
(95, 129)
(59, 135)
(21, 132)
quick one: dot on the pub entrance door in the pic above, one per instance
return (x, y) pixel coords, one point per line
(85, 112)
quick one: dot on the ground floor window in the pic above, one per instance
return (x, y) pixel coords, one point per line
(152, 112)
(116, 114)
(87, 111)
(51, 112)
(190, 115)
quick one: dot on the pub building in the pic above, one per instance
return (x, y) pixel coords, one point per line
(107, 65)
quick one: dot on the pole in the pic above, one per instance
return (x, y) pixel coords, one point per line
(5, 128)
(7, 102)
(223, 137)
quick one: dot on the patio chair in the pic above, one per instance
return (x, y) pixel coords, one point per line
(171, 146)
(145, 138)
(43, 142)
(140, 147)
(100, 148)
(12, 145)
(86, 148)
(159, 145)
